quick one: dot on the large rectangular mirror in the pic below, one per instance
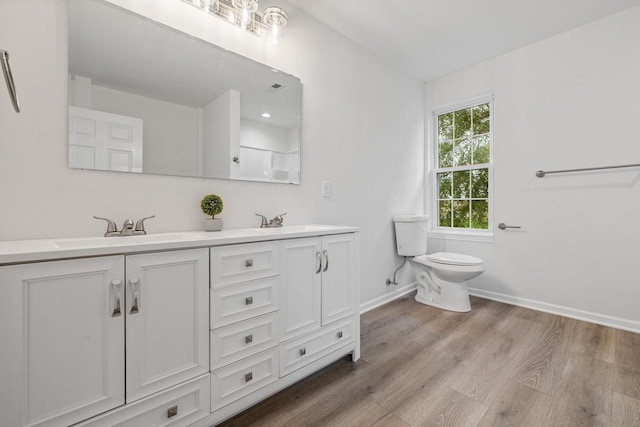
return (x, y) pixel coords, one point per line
(146, 98)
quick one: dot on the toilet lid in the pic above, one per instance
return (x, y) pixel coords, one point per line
(453, 259)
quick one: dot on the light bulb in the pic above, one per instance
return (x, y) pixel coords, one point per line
(210, 5)
(246, 9)
(245, 17)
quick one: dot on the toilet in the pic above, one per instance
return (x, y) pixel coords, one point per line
(442, 276)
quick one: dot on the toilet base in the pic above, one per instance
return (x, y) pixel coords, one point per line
(450, 296)
(460, 306)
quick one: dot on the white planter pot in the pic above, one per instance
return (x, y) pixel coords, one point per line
(213, 224)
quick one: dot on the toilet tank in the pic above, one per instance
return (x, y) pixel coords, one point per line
(411, 234)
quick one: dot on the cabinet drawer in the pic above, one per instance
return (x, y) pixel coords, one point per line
(240, 340)
(182, 405)
(236, 381)
(239, 263)
(243, 301)
(300, 351)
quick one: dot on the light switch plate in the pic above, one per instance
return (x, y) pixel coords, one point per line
(326, 189)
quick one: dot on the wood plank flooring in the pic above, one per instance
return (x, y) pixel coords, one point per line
(498, 365)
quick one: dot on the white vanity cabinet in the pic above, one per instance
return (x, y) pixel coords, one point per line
(167, 315)
(317, 282)
(245, 301)
(318, 298)
(63, 358)
(173, 330)
(62, 344)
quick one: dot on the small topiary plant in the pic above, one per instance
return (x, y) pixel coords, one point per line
(212, 205)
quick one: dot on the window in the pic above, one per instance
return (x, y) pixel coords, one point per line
(462, 169)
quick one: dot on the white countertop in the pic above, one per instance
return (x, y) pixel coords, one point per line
(18, 251)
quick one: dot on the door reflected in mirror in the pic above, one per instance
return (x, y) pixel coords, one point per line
(146, 98)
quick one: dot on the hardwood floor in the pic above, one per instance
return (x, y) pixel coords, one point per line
(498, 365)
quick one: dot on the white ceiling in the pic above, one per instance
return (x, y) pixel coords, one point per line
(430, 38)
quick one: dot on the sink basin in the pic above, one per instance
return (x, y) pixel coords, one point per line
(289, 229)
(91, 242)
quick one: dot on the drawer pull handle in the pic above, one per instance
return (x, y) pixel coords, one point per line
(248, 301)
(115, 284)
(248, 377)
(319, 258)
(135, 288)
(303, 351)
(340, 334)
(172, 412)
(248, 263)
(248, 339)
(326, 260)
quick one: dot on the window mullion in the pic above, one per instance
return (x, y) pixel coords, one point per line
(462, 168)
(470, 221)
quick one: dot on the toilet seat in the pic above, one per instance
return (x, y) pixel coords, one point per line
(449, 258)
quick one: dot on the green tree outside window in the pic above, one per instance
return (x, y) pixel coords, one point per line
(463, 160)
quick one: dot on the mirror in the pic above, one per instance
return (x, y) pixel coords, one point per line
(146, 98)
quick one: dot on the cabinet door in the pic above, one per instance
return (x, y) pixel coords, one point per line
(338, 277)
(167, 319)
(62, 357)
(300, 286)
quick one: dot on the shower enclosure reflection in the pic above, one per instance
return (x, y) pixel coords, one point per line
(149, 99)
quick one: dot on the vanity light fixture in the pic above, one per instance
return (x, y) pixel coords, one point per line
(275, 18)
(247, 10)
(243, 14)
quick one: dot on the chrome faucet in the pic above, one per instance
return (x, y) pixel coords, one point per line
(275, 222)
(128, 228)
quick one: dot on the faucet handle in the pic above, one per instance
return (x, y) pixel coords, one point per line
(140, 224)
(111, 225)
(278, 218)
(264, 222)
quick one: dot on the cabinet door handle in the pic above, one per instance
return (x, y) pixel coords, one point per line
(115, 284)
(248, 377)
(303, 351)
(248, 339)
(248, 301)
(339, 334)
(8, 77)
(172, 412)
(326, 260)
(319, 258)
(135, 286)
(248, 262)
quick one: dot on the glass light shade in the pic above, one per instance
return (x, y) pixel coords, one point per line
(248, 9)
(276, 19)
(210, 6)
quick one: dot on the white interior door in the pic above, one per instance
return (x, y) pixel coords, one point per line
(104, 141)
(62, 351)
(167, 319)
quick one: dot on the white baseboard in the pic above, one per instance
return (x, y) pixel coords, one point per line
(587, 316)
(382, 300)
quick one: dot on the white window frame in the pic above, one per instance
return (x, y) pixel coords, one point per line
(451, 233)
